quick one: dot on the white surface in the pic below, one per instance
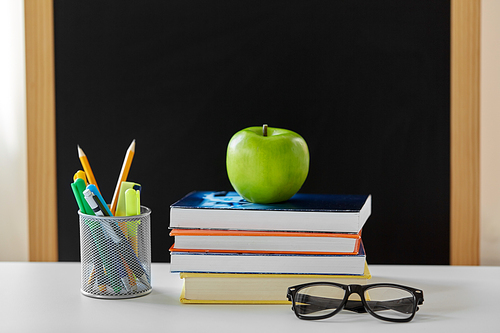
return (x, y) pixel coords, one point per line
(45, 297)
(13, 150)
(490, 136)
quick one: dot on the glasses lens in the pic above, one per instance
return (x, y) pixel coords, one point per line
(317, 301)
(390, 302)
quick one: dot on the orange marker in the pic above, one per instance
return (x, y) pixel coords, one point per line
(86, 167)
(123, 174)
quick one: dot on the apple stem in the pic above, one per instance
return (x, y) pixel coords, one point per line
(264, 130)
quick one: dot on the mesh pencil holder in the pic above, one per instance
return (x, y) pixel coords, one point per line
(116, 255)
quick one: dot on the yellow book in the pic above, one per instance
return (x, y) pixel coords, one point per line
(213, 288)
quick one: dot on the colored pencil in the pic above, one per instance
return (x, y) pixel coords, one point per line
(86, 167)
(123, 174)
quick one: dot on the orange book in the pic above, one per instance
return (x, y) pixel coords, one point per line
(251, 241)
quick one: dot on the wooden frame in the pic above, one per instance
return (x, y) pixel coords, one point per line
(464, 115)
(41, 129)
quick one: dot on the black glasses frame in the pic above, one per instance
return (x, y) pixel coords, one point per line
(356, 305)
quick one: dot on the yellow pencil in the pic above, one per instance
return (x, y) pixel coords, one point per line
(123, 174)
(86, 167)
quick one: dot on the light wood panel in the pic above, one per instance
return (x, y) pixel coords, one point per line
(40, 104)
(465, 112)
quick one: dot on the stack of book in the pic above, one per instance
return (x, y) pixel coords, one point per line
(229, 250)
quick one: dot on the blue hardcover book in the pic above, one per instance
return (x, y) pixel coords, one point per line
(258, 263)
(302, 212)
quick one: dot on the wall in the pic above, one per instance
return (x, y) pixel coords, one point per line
(490, 134)
(13, 152)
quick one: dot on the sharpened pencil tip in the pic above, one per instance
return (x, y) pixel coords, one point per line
(80, 151)
(132, 146)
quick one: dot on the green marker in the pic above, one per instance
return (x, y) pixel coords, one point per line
(78, 198)
(80, 185)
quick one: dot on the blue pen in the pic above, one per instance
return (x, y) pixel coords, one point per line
(96, 192)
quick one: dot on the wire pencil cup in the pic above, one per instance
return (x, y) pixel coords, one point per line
(116, 255)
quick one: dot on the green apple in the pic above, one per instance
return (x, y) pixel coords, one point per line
(266, 164)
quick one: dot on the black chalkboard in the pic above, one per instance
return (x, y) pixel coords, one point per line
(366, 83)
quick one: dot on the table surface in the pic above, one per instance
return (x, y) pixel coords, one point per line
(46, 297)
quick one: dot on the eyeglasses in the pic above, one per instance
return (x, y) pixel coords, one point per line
(385, 301)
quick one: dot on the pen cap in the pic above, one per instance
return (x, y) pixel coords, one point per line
(80, 174)
(116, 262)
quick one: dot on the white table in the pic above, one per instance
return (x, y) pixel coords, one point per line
(45, 297)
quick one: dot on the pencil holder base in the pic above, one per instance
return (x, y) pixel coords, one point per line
(115, 255)
(93, 295)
